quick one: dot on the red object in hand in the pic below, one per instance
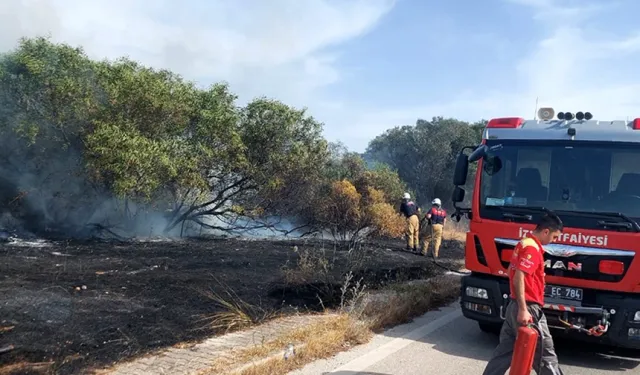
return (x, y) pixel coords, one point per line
(524, 351)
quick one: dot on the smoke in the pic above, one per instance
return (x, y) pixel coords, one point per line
(54, 102)
(57, 198)
(46, 189)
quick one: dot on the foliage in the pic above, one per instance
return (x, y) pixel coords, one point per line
(385, 221)
(107, 145)
(47, 95)
(357, 202)
(424, 155)
(82, 135)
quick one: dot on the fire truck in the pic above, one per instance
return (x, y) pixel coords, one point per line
(588, 173)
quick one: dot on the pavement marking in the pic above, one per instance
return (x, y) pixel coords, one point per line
(369, 359)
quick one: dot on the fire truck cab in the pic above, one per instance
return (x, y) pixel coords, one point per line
(588, 173)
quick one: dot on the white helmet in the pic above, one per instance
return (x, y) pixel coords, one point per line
(436, 202)
(407, 196)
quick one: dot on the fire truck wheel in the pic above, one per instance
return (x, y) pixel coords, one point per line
(490, 328)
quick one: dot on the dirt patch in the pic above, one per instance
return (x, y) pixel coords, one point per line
(88, 305)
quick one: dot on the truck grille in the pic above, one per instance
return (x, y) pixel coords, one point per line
(576, 262)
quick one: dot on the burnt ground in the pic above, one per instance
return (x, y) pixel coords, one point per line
(82, 306)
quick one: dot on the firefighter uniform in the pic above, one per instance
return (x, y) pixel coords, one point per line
(410, 210)
(527, 257)
(437, 217)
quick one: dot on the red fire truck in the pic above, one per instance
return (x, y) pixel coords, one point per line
(588, 173)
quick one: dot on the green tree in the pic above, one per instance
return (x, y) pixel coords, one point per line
(105, 144)
(89, 141)
(274, 159)
(47, 95)
(424, 155)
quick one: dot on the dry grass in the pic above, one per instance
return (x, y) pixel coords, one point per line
(337, 332)
(332, 334)
(310, 265)
(236, 313)
(401, 303)
(27, 368)
(455, 232)
(359, 316)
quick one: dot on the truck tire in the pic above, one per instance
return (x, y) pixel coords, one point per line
(490, 328)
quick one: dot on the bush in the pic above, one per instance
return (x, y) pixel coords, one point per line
(352, 215)
(116, 146)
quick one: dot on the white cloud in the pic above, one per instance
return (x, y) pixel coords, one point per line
(275, 48)
(285, 49)
(573, 68)
(569, 69)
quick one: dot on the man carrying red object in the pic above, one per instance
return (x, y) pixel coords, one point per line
(526, 277)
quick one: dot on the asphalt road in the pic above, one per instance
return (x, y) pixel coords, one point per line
(445, 343)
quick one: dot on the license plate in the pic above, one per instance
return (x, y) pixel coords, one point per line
(563, 292)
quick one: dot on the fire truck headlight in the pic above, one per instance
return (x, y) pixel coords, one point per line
(477, 292)
(636, 317)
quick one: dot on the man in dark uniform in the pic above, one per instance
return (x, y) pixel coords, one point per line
(410, 211)
(526, 278)
(436, 218)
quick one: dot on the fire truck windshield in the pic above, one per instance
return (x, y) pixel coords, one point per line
(564, 176)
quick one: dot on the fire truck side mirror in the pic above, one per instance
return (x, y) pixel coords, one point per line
(458, 194)
(478, 153)
(461, 170)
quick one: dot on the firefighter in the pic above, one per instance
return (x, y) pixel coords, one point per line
(526, 278)
(436, 218)
(411, 211)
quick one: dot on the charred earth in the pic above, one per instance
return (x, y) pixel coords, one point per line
(84, 305)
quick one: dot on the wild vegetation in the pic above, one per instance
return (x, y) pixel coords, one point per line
(114, 147)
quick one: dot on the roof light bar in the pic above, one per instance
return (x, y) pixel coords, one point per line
(506, 122)
(636, 124)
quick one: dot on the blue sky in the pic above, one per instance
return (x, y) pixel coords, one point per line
(363, 66)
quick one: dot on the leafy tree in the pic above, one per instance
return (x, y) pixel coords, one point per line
(424, 155)
(47, 96)
(276, 158)
(100, 145)
(91, 141)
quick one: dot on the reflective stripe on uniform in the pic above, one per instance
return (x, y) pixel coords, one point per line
(529, 242)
